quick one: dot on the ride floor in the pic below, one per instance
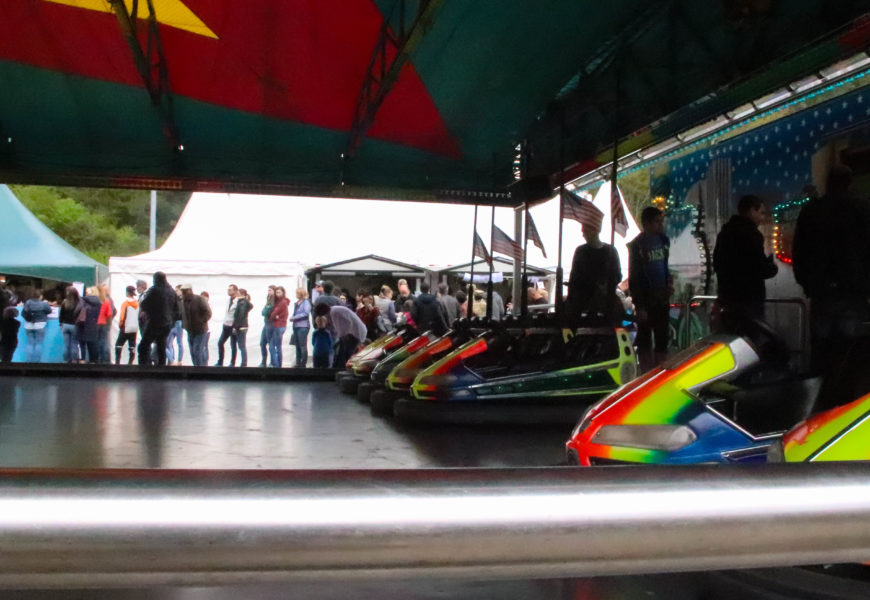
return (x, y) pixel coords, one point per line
(68, 422)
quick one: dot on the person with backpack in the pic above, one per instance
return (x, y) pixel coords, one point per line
(159, 304)
(35, 313)
(387, 316)
(69, 313)
(301, 327)
(128, 327)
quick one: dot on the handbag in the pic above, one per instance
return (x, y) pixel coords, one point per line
(293, 338)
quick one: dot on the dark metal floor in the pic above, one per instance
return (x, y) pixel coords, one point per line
(92, 423)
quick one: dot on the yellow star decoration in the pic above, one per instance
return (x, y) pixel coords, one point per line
(172, 13)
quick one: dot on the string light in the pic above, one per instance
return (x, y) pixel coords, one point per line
(785, 215)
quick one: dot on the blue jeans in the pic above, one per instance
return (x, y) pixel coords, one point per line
(174, 335)
(300, 339)
(265, 336)
(70, 342)
(197, 344)
(275, 346)
(239, 340)
(103, 344)
(35, 338)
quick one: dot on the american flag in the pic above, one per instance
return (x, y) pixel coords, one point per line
(582, 210)
(532, 233)
(503, 244)
(480, 249)
(620, 222)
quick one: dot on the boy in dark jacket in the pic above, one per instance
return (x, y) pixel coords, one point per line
(9, 333)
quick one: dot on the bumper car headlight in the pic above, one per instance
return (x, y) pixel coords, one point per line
(776, 452)
(650, 437)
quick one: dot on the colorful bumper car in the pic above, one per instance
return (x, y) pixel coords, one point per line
(361, 364)
(515, 372)
(725, 399)
(377, 379)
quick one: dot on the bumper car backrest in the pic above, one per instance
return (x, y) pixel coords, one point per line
(767, 343)
(850, 378)
(775, 407)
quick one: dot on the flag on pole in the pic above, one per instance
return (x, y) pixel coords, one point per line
(581, 210)
(620, 222)
(532, 233)
(480, 249)
(502, 243)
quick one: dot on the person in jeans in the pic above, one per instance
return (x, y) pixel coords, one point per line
(229, 317)
(278, 317)
(195, 313)
(86, 326)
(35, 313)
(301, 327)
(175, 335)
(239, 337)
(266, 334)
(104, 322)
(128, 327)
(70, 309)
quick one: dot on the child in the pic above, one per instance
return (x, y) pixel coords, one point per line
(321, 341)
(9, 333)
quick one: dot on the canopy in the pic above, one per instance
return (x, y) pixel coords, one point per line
(29, 248)
(360, 97)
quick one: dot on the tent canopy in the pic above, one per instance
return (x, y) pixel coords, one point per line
(366, 265)
(30, 249)
(367, 97)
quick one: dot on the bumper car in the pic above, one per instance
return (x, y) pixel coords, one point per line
(397, 381)
(359, 367)
(378, 376)
(540, 372)
(725, 399)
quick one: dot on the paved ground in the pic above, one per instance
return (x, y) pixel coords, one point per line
(91, 423)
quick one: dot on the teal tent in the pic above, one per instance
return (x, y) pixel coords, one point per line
(29, 248)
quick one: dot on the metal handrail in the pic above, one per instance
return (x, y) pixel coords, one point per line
(140, 528)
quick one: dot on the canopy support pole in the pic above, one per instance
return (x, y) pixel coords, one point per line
(392, 51)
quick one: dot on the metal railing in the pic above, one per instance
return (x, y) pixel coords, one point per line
(140, 528)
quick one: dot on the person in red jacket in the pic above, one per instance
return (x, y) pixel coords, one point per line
(104, 322)
(278, 318)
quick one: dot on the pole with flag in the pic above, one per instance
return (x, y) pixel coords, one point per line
(524, 299)
(474, 241)
(559, 275)
(492, 247)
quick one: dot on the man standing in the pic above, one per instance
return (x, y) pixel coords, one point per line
(195, 314)
(141, 286)
(428, 313)
(229, 318)
(158, 307)
(384, 302)
(832, 264)
(317, 291)
(327, 296)
(595, 273)
(650, 286)
(404, 292)
(448, 303)
(740, 262)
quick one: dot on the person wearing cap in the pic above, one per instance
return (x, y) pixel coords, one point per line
(195, 313)
(128, 326)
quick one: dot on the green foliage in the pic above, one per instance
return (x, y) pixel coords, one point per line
(102, 222)
(635, 189)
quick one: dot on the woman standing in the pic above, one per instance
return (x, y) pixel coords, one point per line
(278, 317)
(86, 326)
(266, 334)
(35, 313)
(240, 328)
(104, 322)
(69, 312)
(301, 327)
(368, 313)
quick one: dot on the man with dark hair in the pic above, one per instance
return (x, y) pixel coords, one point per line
(650, 286)
(159, 306)
(327, 296)
(229, 319)
(195, 314)
(740, 261)
(831, 252)
(595, 273)
(448, 302)
(428, 313)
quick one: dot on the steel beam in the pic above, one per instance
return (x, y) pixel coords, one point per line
(392, 51)
(141, 528)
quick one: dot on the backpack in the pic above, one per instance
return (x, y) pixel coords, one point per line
(131, 320)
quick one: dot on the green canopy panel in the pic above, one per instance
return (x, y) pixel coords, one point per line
(30, 249)
(413, 99)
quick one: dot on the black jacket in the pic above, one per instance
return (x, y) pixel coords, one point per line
(240, 316)
(428, 314)
(831, 248)
(160, 306)
(595, 273)
(740, 263)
